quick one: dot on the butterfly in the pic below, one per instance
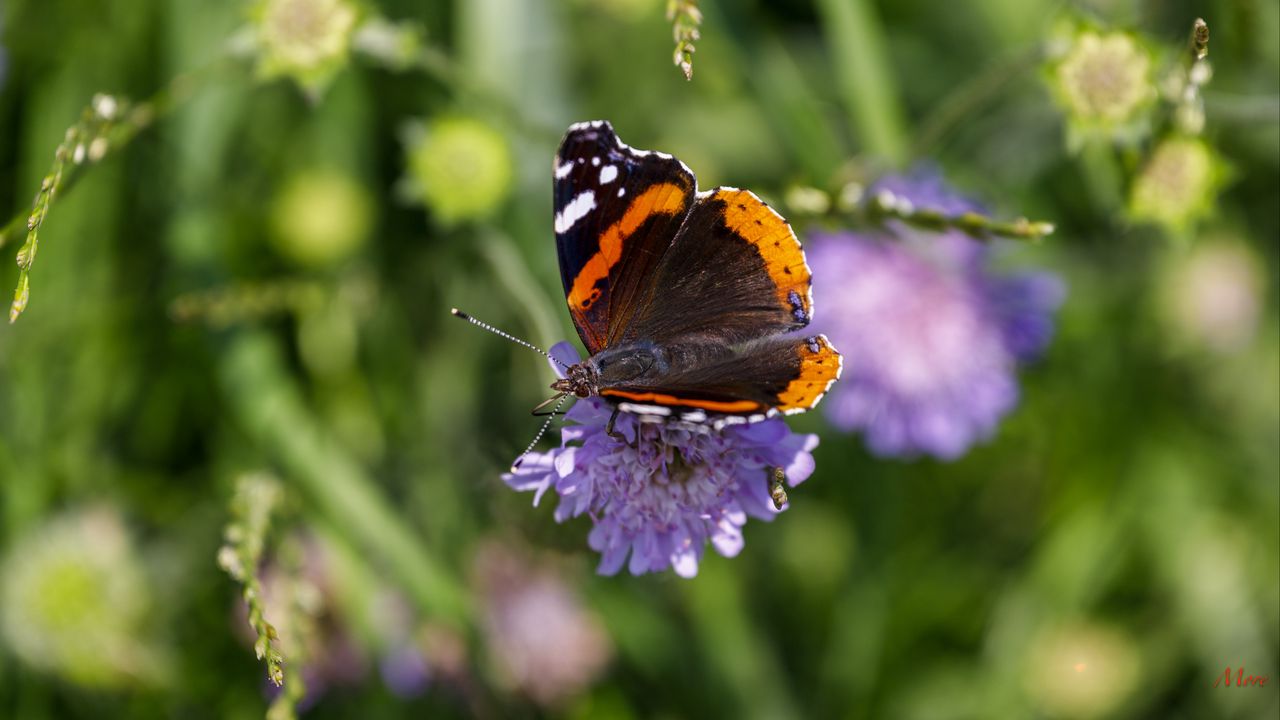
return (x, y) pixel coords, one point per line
(688, 302)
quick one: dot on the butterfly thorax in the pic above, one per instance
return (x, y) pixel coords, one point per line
(614, 366)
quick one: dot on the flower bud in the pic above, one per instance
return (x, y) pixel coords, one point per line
(460, 168)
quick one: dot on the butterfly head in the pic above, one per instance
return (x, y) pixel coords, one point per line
(581, 380)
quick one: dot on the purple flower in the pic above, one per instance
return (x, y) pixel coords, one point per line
(405, 671)
(545, 641)
(669, 490)
(931, 336)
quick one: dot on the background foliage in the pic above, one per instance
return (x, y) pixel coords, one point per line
(256, 287)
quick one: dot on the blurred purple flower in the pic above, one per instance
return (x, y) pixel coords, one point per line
(661, 501)
(931, 336)
(405, 671)
(546, 642)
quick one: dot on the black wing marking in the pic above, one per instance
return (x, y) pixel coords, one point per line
(617, 211)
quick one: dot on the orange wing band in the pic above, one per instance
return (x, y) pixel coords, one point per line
(748, 216)
(730, 406)
(820, 366)
(663, 199)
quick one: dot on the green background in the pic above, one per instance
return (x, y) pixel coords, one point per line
(1127, 512)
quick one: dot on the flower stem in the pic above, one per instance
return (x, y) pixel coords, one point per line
(108, 123)
(886, 205)
(685, 19)
(256, 498)
(269, 405)
(1189, 112)
(972, 96)
(856, 37)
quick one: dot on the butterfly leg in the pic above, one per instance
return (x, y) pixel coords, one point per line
(611, 432)
(540, 409)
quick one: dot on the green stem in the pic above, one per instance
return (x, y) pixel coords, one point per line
(256, 499)
(734, 645)
(107, 124)
(856, 38)
(971, 96)
(512, 274)
(887, 205)
(1189, 112)
(685, 19)
(270, 407)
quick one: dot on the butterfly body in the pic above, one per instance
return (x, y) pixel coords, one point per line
(687, 302)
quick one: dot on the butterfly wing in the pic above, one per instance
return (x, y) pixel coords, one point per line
(785, 374)
(734, 273)
(733, 282)
(617, 211)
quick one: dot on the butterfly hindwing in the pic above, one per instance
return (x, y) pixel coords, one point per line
(785, 374)
(617, 211)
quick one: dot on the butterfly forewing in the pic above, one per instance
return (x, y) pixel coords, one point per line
(735, 272)
(617, 211)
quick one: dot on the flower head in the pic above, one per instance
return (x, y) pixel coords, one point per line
(1178, 184)
(931, 337)
(307, 40)
(545, 640)
(460, 168)
(1213, 296)
(1104, 81)
(320, 218)
(75, 600)
(669, 490)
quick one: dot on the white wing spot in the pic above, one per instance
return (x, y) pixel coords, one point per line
(563, 170)
(622, 191)
(655, 410)
(608, 174)
(577, 209)
(595, 162)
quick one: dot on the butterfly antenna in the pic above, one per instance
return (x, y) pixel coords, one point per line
(486, 326)
(541, 431)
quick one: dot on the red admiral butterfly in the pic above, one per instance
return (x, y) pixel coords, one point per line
(683, 299)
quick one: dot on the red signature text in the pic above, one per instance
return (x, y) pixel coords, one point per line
(1240, 679)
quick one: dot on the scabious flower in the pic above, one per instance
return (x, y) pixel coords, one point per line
(1104, 81)
(460, 168)
(306, 40)
(1178, 183)
(75, 600)
(930, 335)
(669, 490)
(320, 218)
(546, 642)
(1213, 296)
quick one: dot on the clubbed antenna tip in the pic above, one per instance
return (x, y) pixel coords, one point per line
(486, 326)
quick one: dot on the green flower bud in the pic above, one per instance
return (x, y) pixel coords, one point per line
(306, 40)
(74, 601)
(460, 168)
(1178, 183)
(320, 218)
